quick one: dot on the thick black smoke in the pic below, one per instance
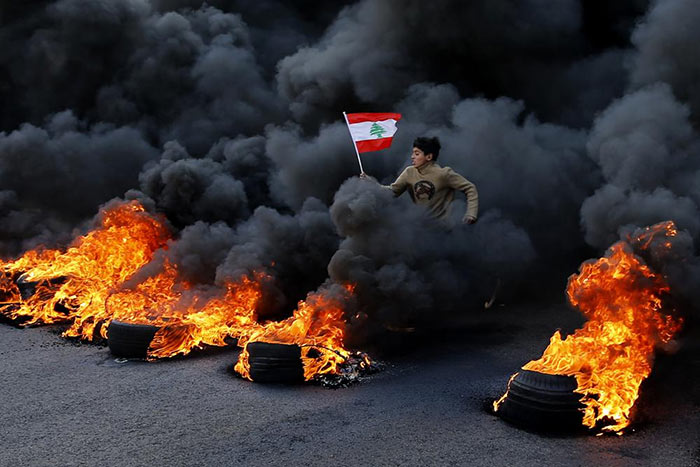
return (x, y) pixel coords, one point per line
(54, 176)
(411, 271)
(188, 189)
(645, 142)
(666, 50)
(648, 152)
(189, 75)
(293, 250)
(565, 58)
(575, 120)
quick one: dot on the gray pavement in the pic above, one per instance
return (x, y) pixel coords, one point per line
(65, 403)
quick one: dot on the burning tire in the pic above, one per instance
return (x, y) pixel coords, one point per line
(27, 288)
(127, 340)
(543, 402)
(43, 289)
(275, 363)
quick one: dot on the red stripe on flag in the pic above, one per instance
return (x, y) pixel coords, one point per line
(373, 144)
(372, 117)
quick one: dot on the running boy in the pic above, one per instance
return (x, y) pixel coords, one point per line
(433, 186)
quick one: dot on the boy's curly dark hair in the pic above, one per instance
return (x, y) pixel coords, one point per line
(428, 145)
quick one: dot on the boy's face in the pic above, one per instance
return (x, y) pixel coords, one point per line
(419, 158)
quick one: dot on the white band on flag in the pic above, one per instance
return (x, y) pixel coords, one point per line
(372, 130)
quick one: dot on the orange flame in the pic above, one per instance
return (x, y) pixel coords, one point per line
(84, 285)
(72, 285)
(188, 318)
(317, 326)
(613, 353)
(497, 403)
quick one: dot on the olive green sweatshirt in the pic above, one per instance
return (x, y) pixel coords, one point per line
(434, 187)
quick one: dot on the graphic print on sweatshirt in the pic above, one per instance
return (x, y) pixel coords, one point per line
(424, 190)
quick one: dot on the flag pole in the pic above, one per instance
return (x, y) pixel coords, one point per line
(359, 161)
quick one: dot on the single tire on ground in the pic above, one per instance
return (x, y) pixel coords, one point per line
(542, 402)
(275, 363)
(127, 340)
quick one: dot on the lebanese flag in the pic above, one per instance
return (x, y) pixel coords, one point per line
(372, 131)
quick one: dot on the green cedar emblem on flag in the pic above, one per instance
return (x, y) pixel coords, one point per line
(376, 130)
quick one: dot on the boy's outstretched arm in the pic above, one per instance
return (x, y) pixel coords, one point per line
(398, 187)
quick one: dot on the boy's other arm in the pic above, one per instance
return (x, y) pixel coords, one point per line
(457, 182)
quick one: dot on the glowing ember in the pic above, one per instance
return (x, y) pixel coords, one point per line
(613, 353)
(72, 285)
(317, 326)
(188, 318)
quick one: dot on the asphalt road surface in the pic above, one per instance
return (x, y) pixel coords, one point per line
(66, 404)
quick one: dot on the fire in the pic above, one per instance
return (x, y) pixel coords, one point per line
(85, 285)
(613, 353)
(72, 285)
(317, 326)
(188, 318)
(497, 403)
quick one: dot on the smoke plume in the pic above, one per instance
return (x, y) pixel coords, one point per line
(575, 120)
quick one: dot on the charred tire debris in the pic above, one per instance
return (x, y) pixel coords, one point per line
(275, 363)
(543, 403)
(128, 340)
